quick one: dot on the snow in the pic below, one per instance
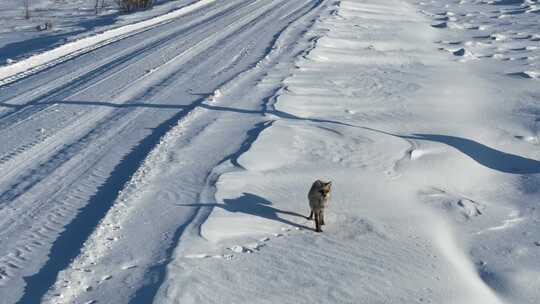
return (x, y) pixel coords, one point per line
(169, 160)
(69, 20)
(67, 51)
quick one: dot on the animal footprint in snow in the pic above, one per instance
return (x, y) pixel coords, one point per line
(249, 248)
(237, 249)
(469, 208)
(254, 246)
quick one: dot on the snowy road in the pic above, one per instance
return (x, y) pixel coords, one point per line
(74, 134)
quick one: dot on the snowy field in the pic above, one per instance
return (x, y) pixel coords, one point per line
(169, 160)
(69, 20)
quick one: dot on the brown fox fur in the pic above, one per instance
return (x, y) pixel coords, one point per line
(318, 196)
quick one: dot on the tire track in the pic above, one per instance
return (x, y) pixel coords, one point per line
(52, 99)
(146, 293)
(43, 170)
(104, 71)
(70, 157)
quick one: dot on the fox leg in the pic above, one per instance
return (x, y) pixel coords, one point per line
(322, 217)
(318, 221)
(310, 217)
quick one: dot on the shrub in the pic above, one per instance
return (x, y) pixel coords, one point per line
(131, 5)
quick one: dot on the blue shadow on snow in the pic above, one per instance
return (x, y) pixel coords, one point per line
(20, 49)
(484, 155)
(254, 205)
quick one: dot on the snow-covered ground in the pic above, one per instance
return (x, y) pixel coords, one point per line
(172, 165)
(69, 20)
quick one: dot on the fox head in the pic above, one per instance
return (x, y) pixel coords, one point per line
(325, 189)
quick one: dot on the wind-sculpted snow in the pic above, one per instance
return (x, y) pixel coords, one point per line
(172, 164)
(405, 135)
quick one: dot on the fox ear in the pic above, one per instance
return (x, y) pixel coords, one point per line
(329, 184)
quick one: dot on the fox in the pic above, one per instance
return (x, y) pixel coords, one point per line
(318, 197)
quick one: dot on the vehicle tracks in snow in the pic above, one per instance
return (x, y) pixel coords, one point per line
(121, 105)
(193, 135)
(59, 185)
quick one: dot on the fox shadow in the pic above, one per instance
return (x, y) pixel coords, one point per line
(255, 205)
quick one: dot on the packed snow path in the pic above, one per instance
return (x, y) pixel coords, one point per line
(172, 166)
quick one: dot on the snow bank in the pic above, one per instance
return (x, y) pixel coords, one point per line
(69, 50)
(347, 114)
